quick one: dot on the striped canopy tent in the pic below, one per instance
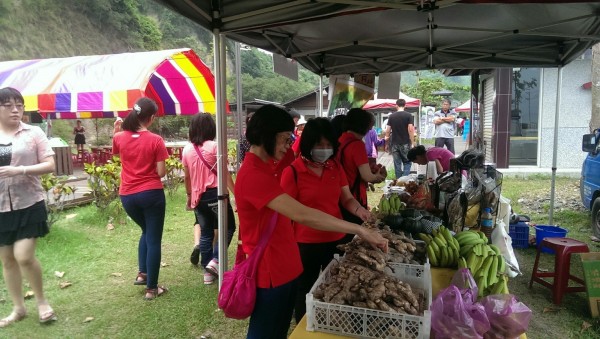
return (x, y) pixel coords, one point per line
(465, 107)
(104, 86)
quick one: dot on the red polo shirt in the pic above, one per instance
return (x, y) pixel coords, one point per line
(319, 192)
(352, 154)
(257, 183)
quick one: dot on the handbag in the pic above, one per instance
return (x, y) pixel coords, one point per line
(237, 295)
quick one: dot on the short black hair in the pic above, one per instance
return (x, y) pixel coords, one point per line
(202, 128)
(266, 122)
(400, 102)
(294, 114)
(337, 122)
(446, 100)
(313, 132)
(358, 120)
(416, 151)
(8, 93)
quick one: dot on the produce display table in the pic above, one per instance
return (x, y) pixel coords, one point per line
(440, 279)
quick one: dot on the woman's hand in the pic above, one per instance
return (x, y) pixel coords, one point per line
(10, 171)
(364, 214)
(374, 238)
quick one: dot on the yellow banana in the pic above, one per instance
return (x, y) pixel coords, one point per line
(432, 257)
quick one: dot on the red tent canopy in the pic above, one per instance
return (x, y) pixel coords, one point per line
(465, 107)
(391, 103)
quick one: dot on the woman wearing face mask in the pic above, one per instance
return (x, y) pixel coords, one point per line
(316, 180)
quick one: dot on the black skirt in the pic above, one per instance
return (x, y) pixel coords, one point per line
(30, 222)
(79, 139)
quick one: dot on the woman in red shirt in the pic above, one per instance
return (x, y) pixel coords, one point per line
(316, 180)
(258, 195)
(143, 156)
(353, 158)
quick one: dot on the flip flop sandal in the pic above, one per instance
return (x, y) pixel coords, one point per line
(155, 292)
(140, 279)
(12, 318)
(48, 316)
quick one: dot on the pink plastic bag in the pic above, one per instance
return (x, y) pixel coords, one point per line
(463, 279)
(508, 317)
(455, 317)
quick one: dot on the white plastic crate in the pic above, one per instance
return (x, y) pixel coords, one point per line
(367, 323)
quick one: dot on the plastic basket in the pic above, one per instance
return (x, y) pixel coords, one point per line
(548, 231)
(367, 323)
(519, 233)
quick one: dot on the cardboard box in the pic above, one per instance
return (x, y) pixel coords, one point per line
(591, 271)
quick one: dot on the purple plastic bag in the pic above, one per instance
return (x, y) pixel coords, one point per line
(508, 317)
(454, 317)
(466, 284)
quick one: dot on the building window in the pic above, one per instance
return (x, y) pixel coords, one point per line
(524, 133)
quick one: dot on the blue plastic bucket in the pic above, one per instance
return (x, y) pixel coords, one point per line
(547, 231)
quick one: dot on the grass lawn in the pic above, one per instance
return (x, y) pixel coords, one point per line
(102, 264)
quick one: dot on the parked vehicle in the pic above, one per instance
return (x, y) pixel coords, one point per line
(590, 178)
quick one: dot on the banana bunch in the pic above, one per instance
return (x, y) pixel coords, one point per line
(390, 204)
(485, 262)
(443, 249)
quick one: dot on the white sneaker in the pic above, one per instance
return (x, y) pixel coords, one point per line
(208, 279)
(213, 268)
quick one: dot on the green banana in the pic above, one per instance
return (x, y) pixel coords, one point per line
(466, 250)
(432, 257)
(471, 261)
(493, 273)
(481, 285)
(465, 237)
(439, 242)
(425, 238)
(485, 267)
(495, 249)
(444, 261)
(435, 246)
(501, 265)
(456, 256)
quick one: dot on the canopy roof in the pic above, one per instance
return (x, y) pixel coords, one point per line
(465, 107)
(106, 85)
(391, 103)
(354, 36)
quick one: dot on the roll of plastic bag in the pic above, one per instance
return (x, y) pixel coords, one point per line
(503, 241)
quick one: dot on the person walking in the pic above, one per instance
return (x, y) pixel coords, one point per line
(258, 197)
(25, 154)
(402, 129)
(143, 156)
(444, 121)
(199, 159)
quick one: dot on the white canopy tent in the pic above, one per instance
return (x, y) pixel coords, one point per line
(356, 36)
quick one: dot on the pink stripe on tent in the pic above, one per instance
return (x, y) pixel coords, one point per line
(89, 101)
(178, 83)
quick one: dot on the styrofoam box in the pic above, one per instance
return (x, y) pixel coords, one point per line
(367, 323)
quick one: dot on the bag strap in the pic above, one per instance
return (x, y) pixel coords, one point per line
(355, 188)
(256, 255)
(211, 168)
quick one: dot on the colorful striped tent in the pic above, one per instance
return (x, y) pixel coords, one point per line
(104, 86)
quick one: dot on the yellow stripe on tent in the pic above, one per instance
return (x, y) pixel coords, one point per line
(117, 101)
(31, 102)
(200, 83)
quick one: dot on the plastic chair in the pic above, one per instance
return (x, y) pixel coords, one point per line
(563, 248)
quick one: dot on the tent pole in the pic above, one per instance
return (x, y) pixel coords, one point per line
(320, 97)
(219, 50)
(238, 94)
(555, 144)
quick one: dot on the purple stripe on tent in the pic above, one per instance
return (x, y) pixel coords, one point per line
(160, 89)
(63, 102)
(177, 80)
(89, 101)
(6, 74)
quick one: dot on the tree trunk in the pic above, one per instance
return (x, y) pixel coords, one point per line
(595, 119)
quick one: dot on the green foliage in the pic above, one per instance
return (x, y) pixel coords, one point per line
(173, 177)
(104, 182)
(150, 32)
(427, 82)
(56, 193)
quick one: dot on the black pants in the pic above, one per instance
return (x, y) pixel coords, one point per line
(448, 142)
(315, 258)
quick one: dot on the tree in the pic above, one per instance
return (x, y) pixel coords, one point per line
(595, 119)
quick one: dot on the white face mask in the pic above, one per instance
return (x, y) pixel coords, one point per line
(321, 154)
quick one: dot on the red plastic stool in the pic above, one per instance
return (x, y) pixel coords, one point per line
(563, 248)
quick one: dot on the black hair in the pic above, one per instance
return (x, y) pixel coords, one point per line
(294, 113)
(337, 123)
(400, 102)
(446, 100)
(8, 93)
(266, 122)
(416, 151)
(202, 128)
(142, 112)
(313, 132)
(78, 120)
(358, 120)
